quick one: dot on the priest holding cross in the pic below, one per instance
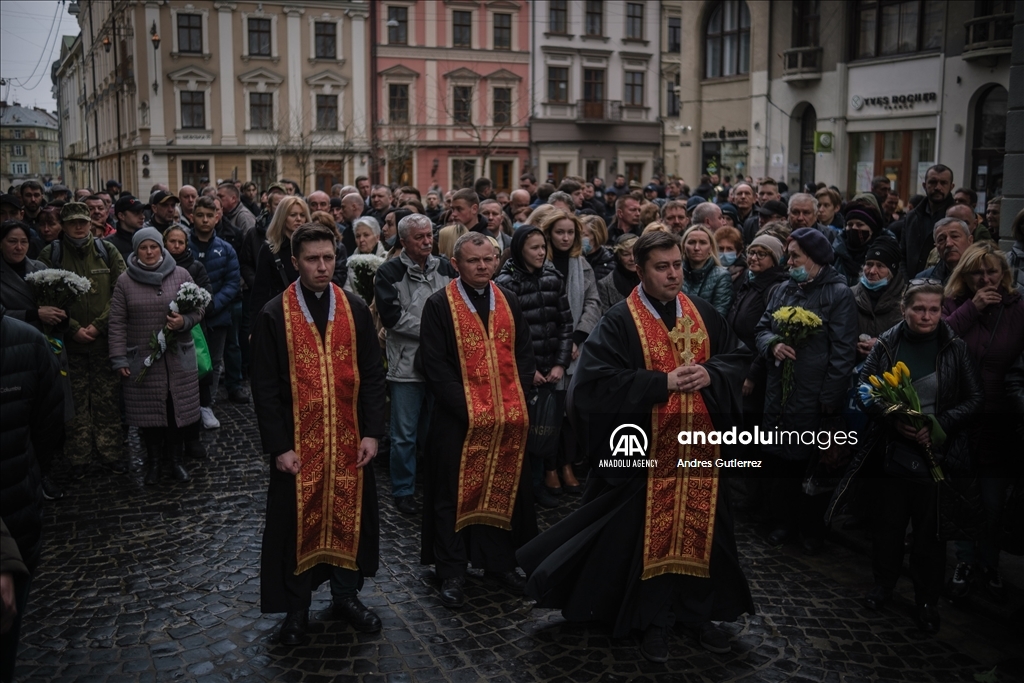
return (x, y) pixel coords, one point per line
(651, 546)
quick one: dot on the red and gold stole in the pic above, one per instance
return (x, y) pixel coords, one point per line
(325, 390)
(492, 454)
(681, 502)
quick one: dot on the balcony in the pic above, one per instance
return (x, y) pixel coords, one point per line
(990, 36)
(594, 111)
(801, 64)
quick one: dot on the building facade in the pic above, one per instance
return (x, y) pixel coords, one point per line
(838, 92)
(187, 93)
(595, 83)
(29, 145)
(451, 79)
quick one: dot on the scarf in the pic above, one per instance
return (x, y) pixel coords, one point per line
(151, 275)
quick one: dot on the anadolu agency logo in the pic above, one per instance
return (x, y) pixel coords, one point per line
(628, 448)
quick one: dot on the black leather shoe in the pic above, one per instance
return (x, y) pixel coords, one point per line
(928, 618)
(452, 593)
(357, 614)
(544, 499)
(293, 630)
(878, 598)
(779, 536)
(713, 639)
(510, 580)
(655, 645)
(240, 395)
(406, 505)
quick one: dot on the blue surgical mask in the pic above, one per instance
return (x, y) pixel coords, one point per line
(873, 286)
(586, 245)
(798, 274)
(517, 225)
(727, 258)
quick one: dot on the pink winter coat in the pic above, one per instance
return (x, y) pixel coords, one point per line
(137, 310)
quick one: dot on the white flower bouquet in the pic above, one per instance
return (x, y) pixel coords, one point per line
(190, 298)
(57, 288)
(364, 268)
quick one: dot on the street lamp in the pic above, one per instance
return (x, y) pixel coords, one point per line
(155, 38)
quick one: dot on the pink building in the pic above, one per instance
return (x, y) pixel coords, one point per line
(452, 91)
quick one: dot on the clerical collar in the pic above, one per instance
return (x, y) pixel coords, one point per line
(469, 299)
(649, 303)
(305, 307)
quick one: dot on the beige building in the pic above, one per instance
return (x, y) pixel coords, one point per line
(178, 92)
(29, 146)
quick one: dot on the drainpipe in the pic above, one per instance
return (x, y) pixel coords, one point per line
(374, 106)
(97, 181)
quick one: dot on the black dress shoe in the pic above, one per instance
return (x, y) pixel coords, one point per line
(452, 593)
(878, 598)
(510, 580)
(928, 618)
(293, 630)
(573, 490)
(655, 645)
(406, 505)
(779, 536)
(357, 614)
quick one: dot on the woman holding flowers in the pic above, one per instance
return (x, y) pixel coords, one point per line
(152, 349)
(15, 293)
(922, 355)
(807, 336)
(985, 310)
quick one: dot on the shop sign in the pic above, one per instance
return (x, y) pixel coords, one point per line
(723, 134)
(893, 102)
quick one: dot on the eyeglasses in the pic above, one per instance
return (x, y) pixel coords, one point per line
(922, 281)
(752, 253)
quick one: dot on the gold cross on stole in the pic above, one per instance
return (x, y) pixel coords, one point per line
(686, 336)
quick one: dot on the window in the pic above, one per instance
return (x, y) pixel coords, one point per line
(727, 40)
(261, 111)
(327, 112)
(501, 176)
(462, 29)
(463, 97)
(593, 167)
(675, 34)
(558, 84)
(806, 23)
(190, 33)
(193, 109)
(259, 37)
(326, 34)
(17, 133)
(593, 93)
(885, 27)
(594, 18)
(463, 173)
(634, 171)
(398, 103)
(19, 150)
(502, 106)
(398, 25)
(19, 168)
(502, 31)
(558, 16)
(672, 98)
(634, 95)
(194, 170)
(634, 21)
(556, 172)
(263, 172)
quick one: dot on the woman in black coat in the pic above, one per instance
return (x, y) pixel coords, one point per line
(947, 382)
(540, 289)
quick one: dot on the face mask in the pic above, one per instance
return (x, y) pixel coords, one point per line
(586, 245)
(727, 258)
(855, 238)
(517, 225)
(873, 286)
(798, 274)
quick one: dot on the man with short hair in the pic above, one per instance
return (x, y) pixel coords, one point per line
(916, 229)
(528, 182)
(32, 201)
(627, 218)
(401, 288)
(574, 190)
(318, 201)
(803, 213)
(562, 201)
(292, 187)
(966, 196)
(318, 386)
(952, 237)
(352, 207)
(476, 358)
(380, 203)
(767, 191)
(98, 216)
(363, 187)
(336, 189)
(235, 213)
(484, 188)
(465, 211)
(187, 196)
(95, 388)
(250, 198)
(519, 199)
(346, 190)
(433, 208)
(492, 212)
(131, 215)
(709, 214)
(966, 213)
(236, 222)
(743, 200)
(673, 214)
(164, 207)
(880, 186)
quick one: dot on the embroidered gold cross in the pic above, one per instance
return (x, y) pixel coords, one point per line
(687, 335)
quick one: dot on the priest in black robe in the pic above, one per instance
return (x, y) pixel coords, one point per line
(590, 564)
(274, 353)
(489, 544)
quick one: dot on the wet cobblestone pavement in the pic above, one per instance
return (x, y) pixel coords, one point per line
(162, 583)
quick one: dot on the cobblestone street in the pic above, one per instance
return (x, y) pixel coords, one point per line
(162, 583)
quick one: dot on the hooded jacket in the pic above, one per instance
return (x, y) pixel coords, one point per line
(711, 283)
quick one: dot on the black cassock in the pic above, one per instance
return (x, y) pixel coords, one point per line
(437, 360)
(280, 589)
(589, 564)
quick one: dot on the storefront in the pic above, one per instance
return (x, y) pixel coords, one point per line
(724, 152)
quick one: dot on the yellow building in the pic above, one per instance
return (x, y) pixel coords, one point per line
(29, 145)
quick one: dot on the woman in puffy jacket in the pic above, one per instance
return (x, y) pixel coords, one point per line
(599, 256)
(542, 297)
(703, 275)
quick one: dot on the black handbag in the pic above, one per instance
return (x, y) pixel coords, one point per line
(545, 422)
(905, 460)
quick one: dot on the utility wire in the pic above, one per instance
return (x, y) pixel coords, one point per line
(21, 82)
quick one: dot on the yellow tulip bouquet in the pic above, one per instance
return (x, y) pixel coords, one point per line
(795, 325)
(895, 393)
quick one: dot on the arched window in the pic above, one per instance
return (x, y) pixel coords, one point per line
(808, 122)
(727, 40)
(989, 144)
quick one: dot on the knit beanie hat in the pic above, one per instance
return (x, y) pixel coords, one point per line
(866, 214)
(814, 244)
(772, 244)
(885, 250)
(144, 234)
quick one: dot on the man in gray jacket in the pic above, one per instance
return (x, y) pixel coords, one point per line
(401, 287)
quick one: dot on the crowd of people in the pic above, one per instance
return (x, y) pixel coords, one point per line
(509, 321)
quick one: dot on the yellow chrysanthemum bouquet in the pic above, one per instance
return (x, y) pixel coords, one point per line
(795, 325)
(895, 393)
